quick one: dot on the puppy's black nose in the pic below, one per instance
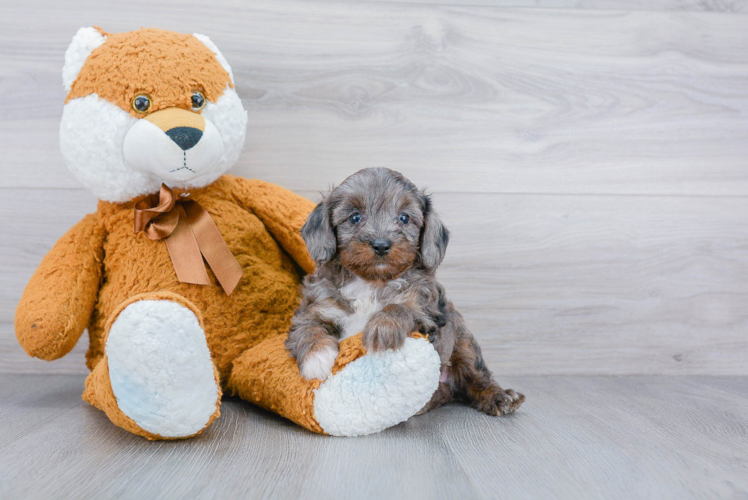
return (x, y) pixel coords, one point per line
(185, 137)
(381, 247)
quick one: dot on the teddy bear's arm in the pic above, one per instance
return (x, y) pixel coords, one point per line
(58, 301)
(282, 211)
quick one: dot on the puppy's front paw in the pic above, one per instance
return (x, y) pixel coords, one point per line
(500, 402)
(383, 332)
(318, 362)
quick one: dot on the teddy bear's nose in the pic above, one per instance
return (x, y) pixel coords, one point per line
(183, 127)
(185, 137)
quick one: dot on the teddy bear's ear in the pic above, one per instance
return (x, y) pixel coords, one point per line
(84, 42)
(212, 46)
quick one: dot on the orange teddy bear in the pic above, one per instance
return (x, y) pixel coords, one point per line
(150, 125)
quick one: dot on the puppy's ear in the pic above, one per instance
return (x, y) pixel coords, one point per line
(434, 236)
(318, 235)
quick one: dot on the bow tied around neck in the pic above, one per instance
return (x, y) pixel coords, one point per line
(190, 234)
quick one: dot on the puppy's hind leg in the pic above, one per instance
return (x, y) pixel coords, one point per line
(442, 396)
(472, 381)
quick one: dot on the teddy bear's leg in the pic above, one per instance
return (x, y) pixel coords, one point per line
(364, 394)
(157, 378)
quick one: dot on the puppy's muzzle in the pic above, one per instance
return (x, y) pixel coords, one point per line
(381, 247)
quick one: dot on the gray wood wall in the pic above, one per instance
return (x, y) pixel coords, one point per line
(589, 156)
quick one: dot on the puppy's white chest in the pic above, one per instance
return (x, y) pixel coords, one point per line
(364, 303)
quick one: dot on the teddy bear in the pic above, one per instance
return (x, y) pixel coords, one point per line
(187, 278)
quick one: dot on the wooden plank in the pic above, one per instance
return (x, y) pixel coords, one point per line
(615, 285)
(249, 453)
(548, 284)
(468, 99)
(722, 6)
(575, 437)
(605, 437)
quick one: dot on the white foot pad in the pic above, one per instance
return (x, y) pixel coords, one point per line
(160, 368)
(378, 390)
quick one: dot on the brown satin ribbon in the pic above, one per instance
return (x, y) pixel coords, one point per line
(189, 231)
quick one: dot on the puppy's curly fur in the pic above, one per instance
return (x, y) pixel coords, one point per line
(377, 242)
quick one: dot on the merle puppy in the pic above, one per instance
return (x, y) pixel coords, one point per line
(377, 243)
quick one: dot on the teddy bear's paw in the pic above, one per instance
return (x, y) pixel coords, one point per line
(161, 370)
(378, 390)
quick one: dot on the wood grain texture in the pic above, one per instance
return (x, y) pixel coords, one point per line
(730, 6)
(468, 99)
(575, 437)
(590, 163)
(549, 284)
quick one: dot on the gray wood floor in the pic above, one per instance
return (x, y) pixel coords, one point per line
(576, 437)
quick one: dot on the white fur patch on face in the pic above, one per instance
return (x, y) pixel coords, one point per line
(84, 42)
(365, 304)
(378, 390)
(318, 364)
(160, 368)
(92, 140)
(92, 132)
(230, 118)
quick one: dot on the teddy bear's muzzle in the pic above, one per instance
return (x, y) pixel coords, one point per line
(173, 144)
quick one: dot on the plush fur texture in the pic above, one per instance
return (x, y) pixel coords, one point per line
(258, 221)
(116, 155)
(84, 42)
(164, 65)
(92, 136)
(160, 368)
(93, 133)
(350, 404)
(364, 394)
(161, 351)
(102, 263)
(219, 56)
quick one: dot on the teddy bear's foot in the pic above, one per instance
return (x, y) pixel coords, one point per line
(378, 390)
(366, 393)
(157, 378)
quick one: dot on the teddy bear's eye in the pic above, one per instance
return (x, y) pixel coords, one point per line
(198, 101)
(141, 103)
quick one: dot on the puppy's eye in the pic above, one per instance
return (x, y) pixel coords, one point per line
(404, 218)
(141, 103)
(354, 219)
(198, 101)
